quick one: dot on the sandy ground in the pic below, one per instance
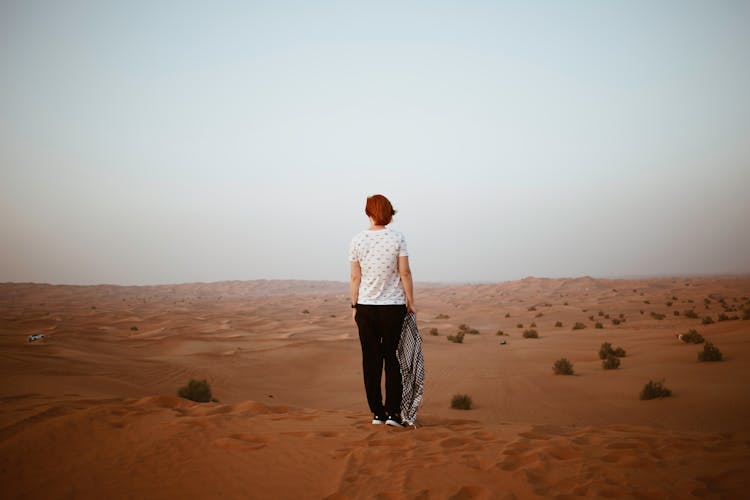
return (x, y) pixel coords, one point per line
(91, 410)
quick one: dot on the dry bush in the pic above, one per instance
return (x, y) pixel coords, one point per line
(610, 362)
(579, 326)
(461, 402)
(196, 390)
(530, 334)
(458, 338)
(653, 390)
(563, 367)
(710, 353)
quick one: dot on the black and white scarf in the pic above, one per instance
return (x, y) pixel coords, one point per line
(409, 354)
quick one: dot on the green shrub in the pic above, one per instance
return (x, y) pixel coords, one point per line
(610, 362)
(530, 334)
(434, 332)
(653, 390)
(563, 367)
(690, 313)
(196, 390)
(710, 353)
(558, 324)
(598, 325)
(707, 320)
(458, 338)
(461, 402)
(691, 337)
(579, 326)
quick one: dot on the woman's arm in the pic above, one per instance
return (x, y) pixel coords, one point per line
(405, 272)
(355, 280)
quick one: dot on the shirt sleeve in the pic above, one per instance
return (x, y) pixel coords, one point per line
(402, 249)
(353, 257)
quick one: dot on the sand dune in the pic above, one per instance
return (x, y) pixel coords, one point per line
(90, 411)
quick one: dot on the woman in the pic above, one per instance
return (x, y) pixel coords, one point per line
(382, 292)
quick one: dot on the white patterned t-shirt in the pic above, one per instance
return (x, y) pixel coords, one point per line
(377, 253)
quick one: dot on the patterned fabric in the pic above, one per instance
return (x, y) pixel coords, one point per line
(377, 253)
(409, 354)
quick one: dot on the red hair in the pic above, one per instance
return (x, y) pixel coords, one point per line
(379, 208)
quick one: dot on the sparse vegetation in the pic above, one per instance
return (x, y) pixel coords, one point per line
(434, 332)
(305, 311)
(196, 390)
(532, 308)
(610, 362)
(533, 325)
(653, 390)
(598, 325)
(616, 321)
(563, 367)
(692, 337)
(606, 350)
(707, 320)
(676, 312)
(530, 334)
(519, 325)
(442, 316)
(500, 333)
(558, 324)
(539, 315)
(690, 313)
(646, 301)
(657, 315)
(579, 326)
(466, 329)
(507, 315)
(710, 353)
(461, 402)
(458, 338)
(134, 328)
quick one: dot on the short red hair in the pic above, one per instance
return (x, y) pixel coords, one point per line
(380, 209)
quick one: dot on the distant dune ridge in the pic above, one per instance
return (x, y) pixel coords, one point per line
(91, 410)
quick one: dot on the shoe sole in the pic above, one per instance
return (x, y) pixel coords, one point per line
(393, 423)
(377, 422)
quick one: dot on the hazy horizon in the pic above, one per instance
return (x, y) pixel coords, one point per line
(159, 143)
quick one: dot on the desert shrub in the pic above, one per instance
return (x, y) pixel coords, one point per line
(507, 315)
(196, 390)
(692, 337)
(461, 402)
(579, 326)
(646, 301)
(710, 353)
(565, 303)
(519, 325)
(622, 316)
(442, 316)
(669, 303)
(591, 318)
(562, 367)
(676, 312)
(532, 308)
(533, 324)
(616, 321)
(674, 297)
(601, 313)
(653, 390)
(746, 314)
(610, 362)
(530, 334)
(500, 333)
(707, 320)
(657, 315)
(723, 317)
(689, 313)
(558, 323)
(539, 315)
(598, 325)
(606, 316)
(641, 312)
(458, 338)
(305, 311)
(434, 332)
(134, 328)
(606, 350)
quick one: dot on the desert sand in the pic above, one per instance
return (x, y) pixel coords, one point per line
(90, 410)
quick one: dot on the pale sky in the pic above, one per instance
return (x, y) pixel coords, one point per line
(164, 142)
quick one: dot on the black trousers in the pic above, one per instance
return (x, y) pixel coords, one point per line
(379, 334)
